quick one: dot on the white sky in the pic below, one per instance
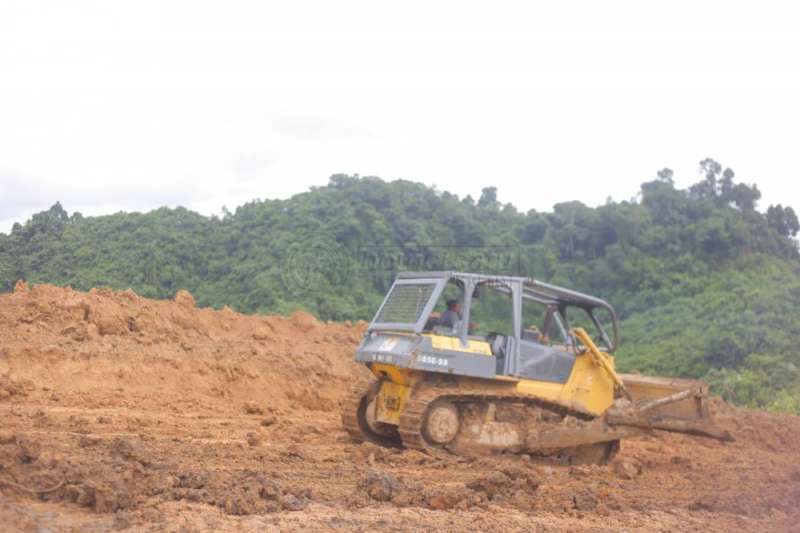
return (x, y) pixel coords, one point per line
(111, 106)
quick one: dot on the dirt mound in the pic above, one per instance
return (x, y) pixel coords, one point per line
(121, 412)
(79, 343)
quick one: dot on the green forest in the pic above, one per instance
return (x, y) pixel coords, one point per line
(706, 283)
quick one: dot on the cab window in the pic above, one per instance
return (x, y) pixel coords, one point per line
(491, 311)
(578, 317)
(453, 292)
(541, 323)
(534, 316)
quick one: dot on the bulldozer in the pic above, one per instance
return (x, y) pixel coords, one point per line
(475, 364)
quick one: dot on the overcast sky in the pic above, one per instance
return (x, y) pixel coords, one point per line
(110, 106)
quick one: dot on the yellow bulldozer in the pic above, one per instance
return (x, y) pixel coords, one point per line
(475, 364)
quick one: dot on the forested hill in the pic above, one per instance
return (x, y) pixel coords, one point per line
(706, 284)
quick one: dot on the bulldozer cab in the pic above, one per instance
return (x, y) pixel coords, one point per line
(523, 324)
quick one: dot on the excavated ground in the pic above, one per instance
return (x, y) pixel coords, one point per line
(123, 413)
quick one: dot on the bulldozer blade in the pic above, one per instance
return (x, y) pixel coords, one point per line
(677, 405)
(650, 393)
(699, 428)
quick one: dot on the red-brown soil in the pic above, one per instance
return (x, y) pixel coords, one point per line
(123, 413)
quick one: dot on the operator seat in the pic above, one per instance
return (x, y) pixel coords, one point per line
(497, 343)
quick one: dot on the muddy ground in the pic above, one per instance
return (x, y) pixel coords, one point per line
(122, 413)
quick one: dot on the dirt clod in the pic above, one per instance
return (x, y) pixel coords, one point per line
(379, 485)
(626, 468)
(584, 501)
(10, 388)
(491, 484)
(442, 498)
(252, 408)
(704, 503)
(29, 449)
(305, 322)
(185, 299)
(290, 502)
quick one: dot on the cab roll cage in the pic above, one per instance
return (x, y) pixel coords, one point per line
(519, 288)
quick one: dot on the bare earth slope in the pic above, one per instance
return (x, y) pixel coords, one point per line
(123, 413)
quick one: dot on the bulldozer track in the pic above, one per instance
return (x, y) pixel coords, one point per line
(412, 420)
(413, 417)
(350, 407)
(358, 429)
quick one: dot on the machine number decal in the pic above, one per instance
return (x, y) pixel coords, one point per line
(433, 360)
